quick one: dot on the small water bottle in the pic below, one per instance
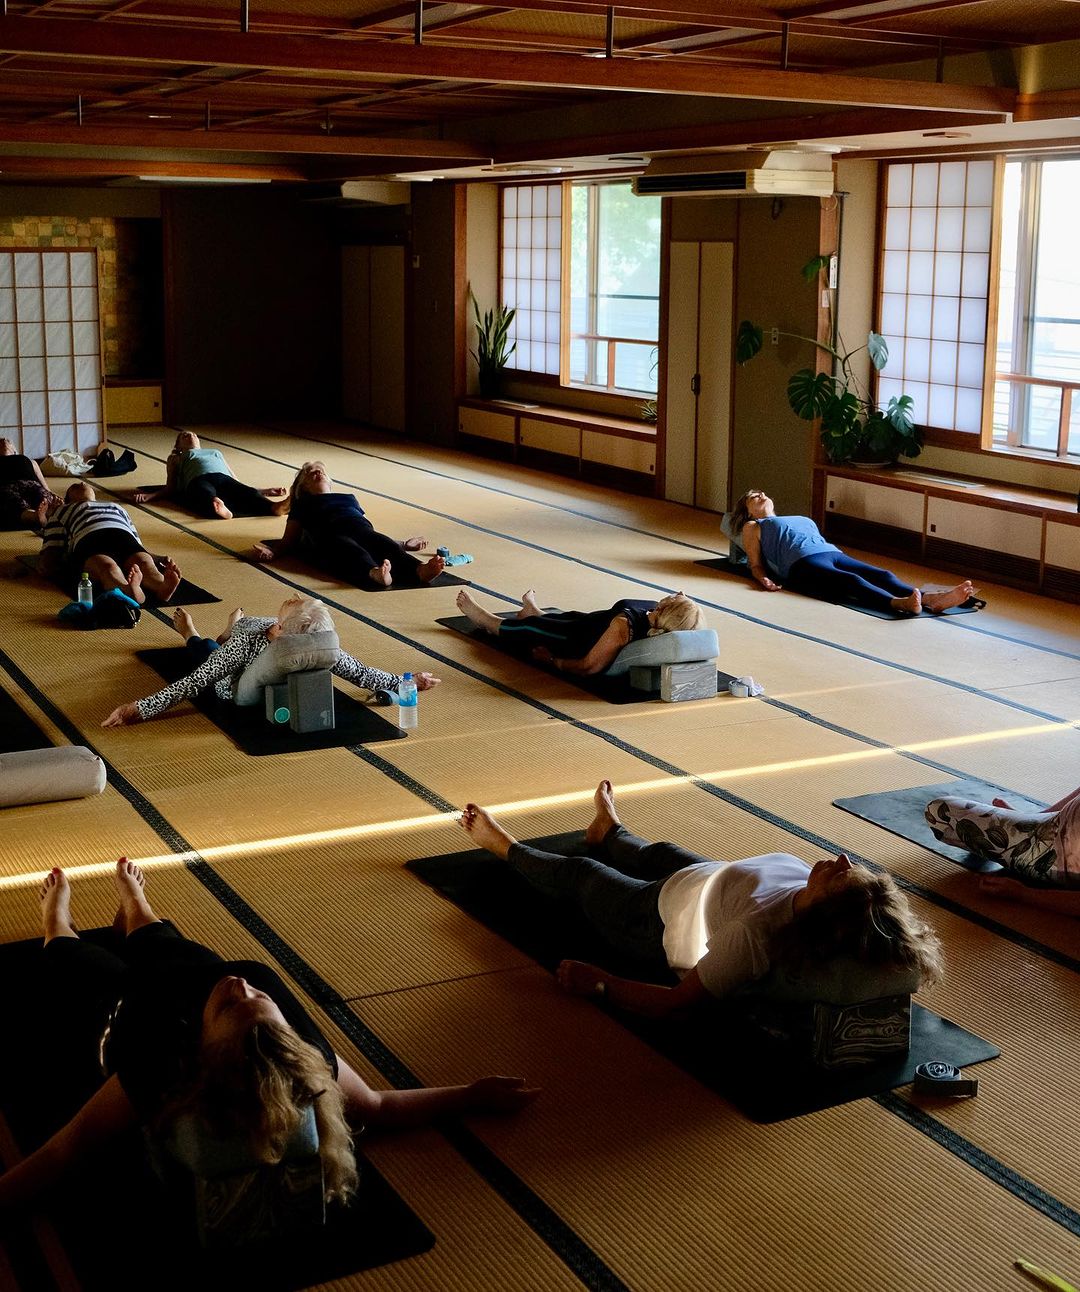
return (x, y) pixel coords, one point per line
(408, 709)
(86, 591)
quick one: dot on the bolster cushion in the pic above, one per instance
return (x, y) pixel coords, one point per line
(840, 981)
(290, 653)
(46, 775)
(666, 648)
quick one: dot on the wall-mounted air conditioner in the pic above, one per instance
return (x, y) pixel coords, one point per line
(781, 172)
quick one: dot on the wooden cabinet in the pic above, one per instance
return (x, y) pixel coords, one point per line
(133, 404)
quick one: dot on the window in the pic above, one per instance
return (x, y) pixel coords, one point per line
(591, 316)
(1037, 386)
(935, 276)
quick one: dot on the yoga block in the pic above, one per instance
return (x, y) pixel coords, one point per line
(311, 700)
(47, 775)
(275, 697)
(643, 678)
(694, 681)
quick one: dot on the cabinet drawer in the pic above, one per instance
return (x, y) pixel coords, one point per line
(554, 437)
(615, 451)
(486, 424)
(132, 405)
(897, 508)
(991, 528)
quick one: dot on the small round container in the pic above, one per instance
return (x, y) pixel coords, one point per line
(739, 690)
(444, 552)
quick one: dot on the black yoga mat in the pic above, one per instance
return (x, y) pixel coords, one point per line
(113, 1218)
(968, 608)
(18, 730)
(616, 690)
(298, 564)
(186, 594)
(901, 812)
(763, 1077)
(355, 723)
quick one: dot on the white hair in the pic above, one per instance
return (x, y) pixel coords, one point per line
(308, 616)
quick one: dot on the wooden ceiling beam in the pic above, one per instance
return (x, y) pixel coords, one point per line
(734, 134)
(143, 43)
(39, 167)
(438, 151)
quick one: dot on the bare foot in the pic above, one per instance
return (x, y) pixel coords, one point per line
(276, 492)
(220, 510)
(234, 618)
(431, 568)
(134, 585)
(485, 831)
(415, 544)
(381, 574)
(56, 906)
(280, 506)
(936, 602)
(912, 604)
(41, 514)
(529, 608)
(183, 623)
(134, 908)
(476, 614)
(170, 579)
(605, 817)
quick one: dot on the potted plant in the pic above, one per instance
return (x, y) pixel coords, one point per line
(492, 352)
(853, 427)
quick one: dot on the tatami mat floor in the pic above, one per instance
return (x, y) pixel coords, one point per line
(657, 1182)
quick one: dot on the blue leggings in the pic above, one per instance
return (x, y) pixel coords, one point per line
(621, 899)
(835, 576)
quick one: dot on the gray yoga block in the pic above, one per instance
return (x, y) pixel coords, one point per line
(275, 696)
(311, 700)
(645, 678)
(694, 681)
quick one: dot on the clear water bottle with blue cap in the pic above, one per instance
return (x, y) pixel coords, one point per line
(408, 708)
(86, 591)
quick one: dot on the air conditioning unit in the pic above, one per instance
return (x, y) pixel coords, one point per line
(781, 172)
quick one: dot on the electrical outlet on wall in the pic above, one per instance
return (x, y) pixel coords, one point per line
(774, 336)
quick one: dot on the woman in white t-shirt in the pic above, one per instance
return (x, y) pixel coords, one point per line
(718, 925)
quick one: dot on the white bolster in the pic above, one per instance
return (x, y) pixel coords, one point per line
(46, 775)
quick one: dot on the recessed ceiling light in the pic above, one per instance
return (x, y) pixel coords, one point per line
(946, 134)
(159, 116)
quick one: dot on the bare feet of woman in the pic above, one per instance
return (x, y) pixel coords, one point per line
(280, 506)
(476, 614)
(135, 910)
(912, 604)
(381, 574)
(278, 491)
(936, 602)
(134, 585)
(170, 579)
(56, 906)
(183, 623)
(431, 568)
(529, 608)
(605, 817)
(485, 831)
(234, 618)
(220, 510)
(415, 544)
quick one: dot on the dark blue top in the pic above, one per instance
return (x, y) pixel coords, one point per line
(787, 539)
(328, 515)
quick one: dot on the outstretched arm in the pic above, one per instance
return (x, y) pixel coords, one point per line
(168, 490)
(646, 998)
(398, 1109)
(601, 656)
(105, 1115)
(279, 546)
(232, 658)
(751, 541)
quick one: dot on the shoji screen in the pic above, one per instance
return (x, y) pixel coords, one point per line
(50, 351)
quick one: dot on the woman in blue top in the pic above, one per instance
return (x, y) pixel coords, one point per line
(333, 532)
(790, 550)
(200, 479)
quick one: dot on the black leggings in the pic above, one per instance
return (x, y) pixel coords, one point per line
(241, 499)
(835, 576)
(352, 555)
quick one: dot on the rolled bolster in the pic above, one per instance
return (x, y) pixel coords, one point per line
(46, 775)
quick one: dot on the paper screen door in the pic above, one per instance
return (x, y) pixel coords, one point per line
(50, 351)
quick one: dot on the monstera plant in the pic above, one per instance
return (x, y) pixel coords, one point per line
(853, 427)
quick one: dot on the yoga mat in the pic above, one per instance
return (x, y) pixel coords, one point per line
(767, 1079)
(112, 1217)
(356, 723)
(186, 594)
(298, 565)
(616, 690)
(17, 730)
(968, 608)
(901, 813)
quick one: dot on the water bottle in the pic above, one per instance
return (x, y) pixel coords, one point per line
(86, 591)
(408, 709)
